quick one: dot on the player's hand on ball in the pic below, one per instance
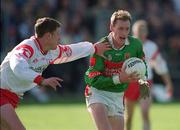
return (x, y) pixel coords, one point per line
(124, 77)
(101, 48)
(51, 82)
(144, 89)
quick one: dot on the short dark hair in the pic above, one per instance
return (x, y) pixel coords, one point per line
(44, 25)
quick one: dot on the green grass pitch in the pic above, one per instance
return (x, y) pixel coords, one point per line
(74, 116)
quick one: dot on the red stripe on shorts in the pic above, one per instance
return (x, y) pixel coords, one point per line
(8, 97)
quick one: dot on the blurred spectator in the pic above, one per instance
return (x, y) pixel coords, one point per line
(88, 20)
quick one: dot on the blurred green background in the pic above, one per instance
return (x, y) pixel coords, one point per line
(72, 115)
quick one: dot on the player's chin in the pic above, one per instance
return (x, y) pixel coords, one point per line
(54, 47)
(121, 41)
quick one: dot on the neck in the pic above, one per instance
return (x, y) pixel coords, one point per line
(117, 45)
(143, 38)
(43, 44)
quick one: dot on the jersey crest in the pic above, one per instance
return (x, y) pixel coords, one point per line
(127, 55)
(67, 50)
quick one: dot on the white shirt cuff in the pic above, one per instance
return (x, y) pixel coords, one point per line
(116, 79)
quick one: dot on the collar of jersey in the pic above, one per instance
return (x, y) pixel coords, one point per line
(111, 42)
(38, 45)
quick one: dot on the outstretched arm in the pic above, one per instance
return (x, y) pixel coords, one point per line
(68, 53)
(168, 83)
(160, 66)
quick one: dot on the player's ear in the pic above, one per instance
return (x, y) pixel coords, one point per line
(48, 35)
(111, 27)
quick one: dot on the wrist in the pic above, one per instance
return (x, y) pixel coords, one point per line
(38, 80)
(142, 82)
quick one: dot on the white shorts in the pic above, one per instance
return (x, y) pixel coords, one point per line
(113, 101)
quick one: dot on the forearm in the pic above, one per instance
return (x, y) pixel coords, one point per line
(166, 79)
(68, 53)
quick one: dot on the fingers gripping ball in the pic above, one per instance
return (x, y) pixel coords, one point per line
(135, 64)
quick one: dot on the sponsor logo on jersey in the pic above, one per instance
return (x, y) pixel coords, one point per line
(67, 50)
(112, 68)
(110, 72)
(39, 69)
(94, 74)
(110, 64)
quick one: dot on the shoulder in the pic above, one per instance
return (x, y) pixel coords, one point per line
(26, 47)
(134, 41)
(26, 43)
(104, 39)
(150, 45)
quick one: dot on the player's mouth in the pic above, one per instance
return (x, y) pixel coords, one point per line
(122, 38)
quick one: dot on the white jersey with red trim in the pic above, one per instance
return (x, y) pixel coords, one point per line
(22, 66)
(154, 59)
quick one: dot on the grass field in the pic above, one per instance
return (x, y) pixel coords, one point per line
(74, 116)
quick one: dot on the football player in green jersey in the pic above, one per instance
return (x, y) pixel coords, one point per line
(105, 78)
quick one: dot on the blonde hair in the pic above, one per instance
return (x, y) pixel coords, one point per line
(140, 26)
(120, 15)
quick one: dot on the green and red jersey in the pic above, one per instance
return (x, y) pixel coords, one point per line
(101, 69)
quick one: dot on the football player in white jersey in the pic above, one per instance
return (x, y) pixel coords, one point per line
(154, 61)
(22, 67)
